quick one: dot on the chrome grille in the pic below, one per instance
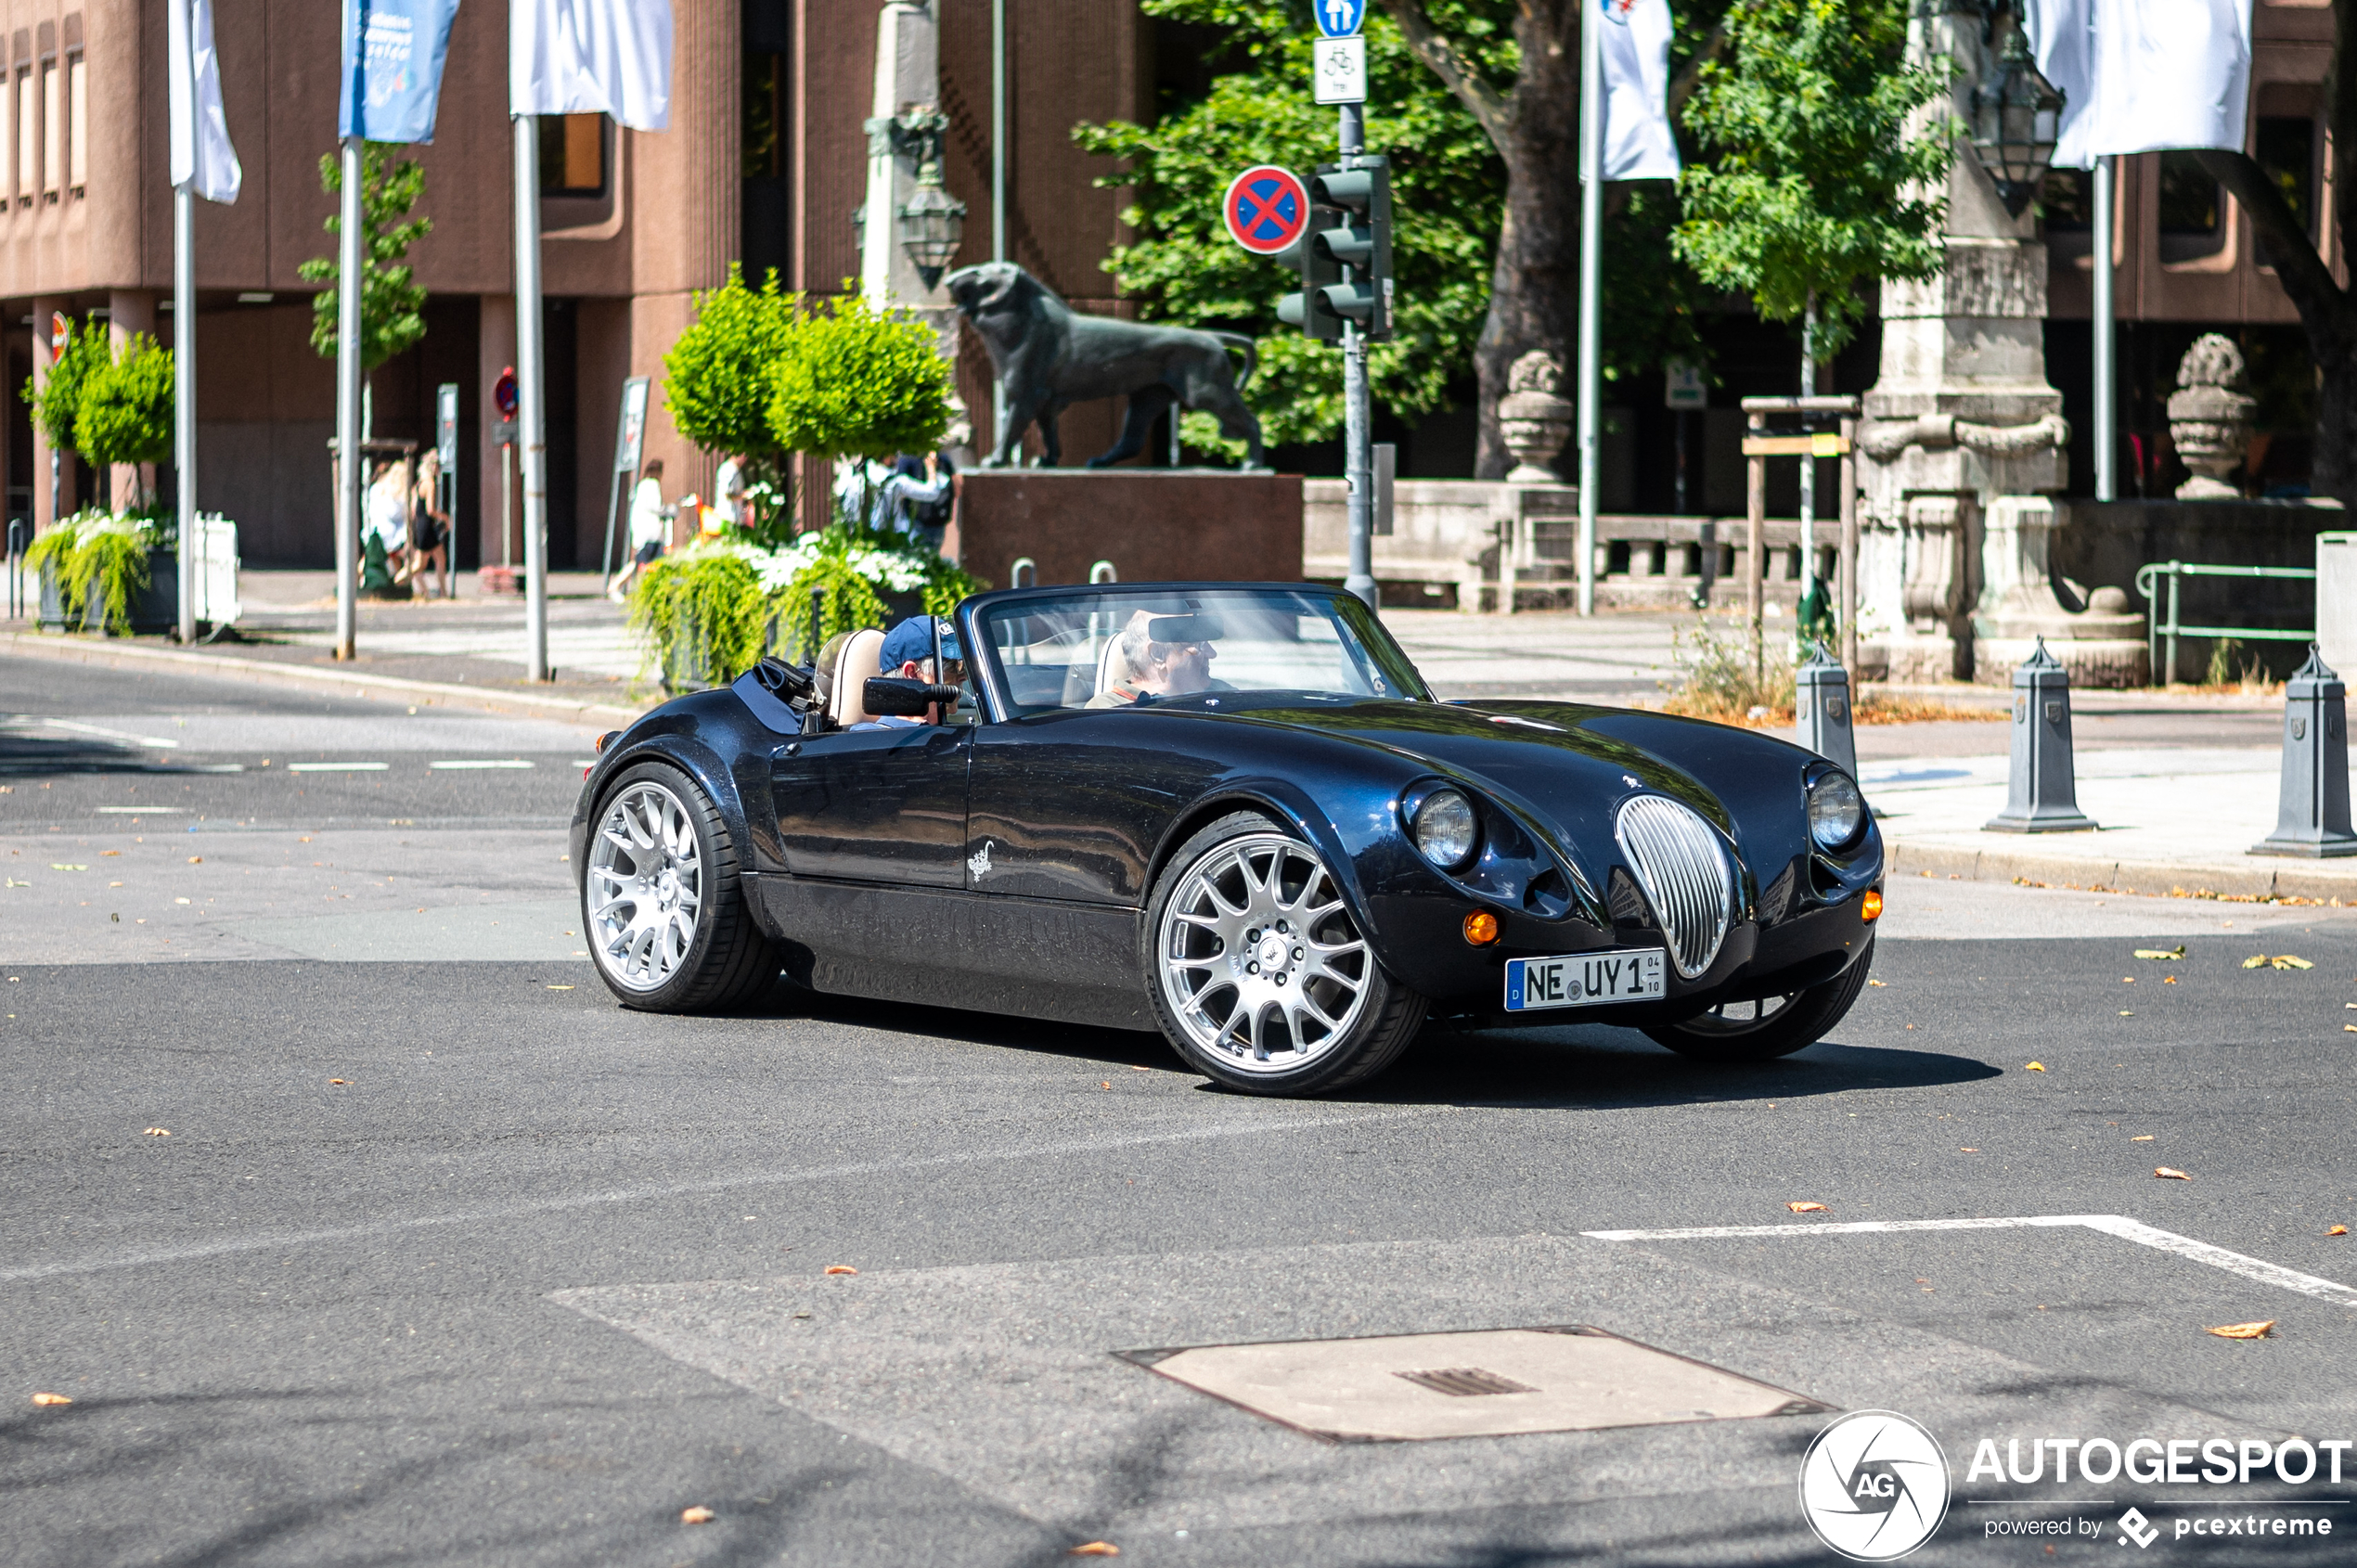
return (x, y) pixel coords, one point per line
(1684, 871)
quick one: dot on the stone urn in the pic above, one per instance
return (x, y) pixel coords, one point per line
(2209, 418)
(1532, 420)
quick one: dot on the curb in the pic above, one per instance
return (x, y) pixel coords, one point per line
(2262, 877)
(304, 677)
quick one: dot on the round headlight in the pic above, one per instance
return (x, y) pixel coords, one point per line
(1446, 829)
(1835, 811)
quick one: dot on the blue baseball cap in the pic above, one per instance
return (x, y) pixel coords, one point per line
(911, 643)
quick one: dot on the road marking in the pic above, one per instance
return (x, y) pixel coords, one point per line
(512, 762)
(272, 1241)
(336, 767)
(143, 809)
(40, 721)
(2120, 1225)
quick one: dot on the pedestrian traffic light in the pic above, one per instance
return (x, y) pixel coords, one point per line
(1346, 255)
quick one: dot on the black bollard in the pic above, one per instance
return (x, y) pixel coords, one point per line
(1820, 709)
(2042, 796)
(2313, 819)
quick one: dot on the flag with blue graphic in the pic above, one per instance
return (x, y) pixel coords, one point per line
(392, 55)
(1639, 143)
(1340, 19)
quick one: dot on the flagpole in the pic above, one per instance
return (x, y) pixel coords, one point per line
(530, 411)
(2106, 391)
(349, 458)
(183, 398)
(1591, 227)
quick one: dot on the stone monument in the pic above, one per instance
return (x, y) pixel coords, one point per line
(2209, 418)
(1533, 420)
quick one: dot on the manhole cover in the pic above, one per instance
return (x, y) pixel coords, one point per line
(1486, 1382)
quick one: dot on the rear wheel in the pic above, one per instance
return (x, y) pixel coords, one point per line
(662, 902)
(1258, 973)
(1773, 1026)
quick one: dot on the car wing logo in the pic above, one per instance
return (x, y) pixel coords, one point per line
(979, 862)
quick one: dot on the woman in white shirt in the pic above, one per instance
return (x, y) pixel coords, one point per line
(650, 526)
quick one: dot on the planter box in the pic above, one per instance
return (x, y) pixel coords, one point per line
(154, 609)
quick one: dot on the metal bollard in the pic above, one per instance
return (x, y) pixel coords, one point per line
(2042, 796)
(1820, 709)
(2313, 819)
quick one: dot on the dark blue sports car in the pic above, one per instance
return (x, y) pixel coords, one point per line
(1232, 813)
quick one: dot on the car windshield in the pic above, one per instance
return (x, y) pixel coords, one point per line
(1138, 647)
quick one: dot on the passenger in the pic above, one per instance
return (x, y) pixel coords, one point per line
(1155, 669)
(908, 653)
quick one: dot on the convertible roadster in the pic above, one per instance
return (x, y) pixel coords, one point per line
(1233, 813)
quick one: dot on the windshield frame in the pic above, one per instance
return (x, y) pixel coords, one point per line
(999, 707)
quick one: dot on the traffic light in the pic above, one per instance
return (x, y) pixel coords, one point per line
(1349, 228)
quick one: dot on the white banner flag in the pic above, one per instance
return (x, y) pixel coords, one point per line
(2145, 75)
(1634, 54)
(591, 56)
(201, 157)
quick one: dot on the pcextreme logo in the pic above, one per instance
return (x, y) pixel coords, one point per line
(1873, 1485)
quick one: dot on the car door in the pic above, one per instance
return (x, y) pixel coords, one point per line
(875, 805)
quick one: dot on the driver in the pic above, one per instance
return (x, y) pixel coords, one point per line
(1155, 669)
(908, 653)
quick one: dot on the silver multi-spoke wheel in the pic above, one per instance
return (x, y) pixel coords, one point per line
(646, 887)
(1259, 960)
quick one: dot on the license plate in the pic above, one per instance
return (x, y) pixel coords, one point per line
(1584, 980)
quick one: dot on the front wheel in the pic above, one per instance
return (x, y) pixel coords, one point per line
(1259, 974)
(1773, 1026)
(662, 902)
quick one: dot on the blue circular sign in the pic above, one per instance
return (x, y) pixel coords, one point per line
(1340, 19)
(1266, 209)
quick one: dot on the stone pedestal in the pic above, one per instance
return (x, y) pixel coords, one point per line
(2100, 645)
(1152, 524)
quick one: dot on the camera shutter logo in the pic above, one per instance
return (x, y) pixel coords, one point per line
(1873, 1485)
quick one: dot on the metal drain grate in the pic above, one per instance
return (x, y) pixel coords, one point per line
(1465, 1382)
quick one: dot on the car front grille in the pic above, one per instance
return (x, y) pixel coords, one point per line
(1684, 871)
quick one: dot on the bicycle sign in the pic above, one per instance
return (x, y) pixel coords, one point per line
(1267, 208)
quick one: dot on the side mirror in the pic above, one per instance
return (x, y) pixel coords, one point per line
(890, 696)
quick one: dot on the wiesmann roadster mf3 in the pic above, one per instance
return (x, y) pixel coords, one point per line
(1232, 813)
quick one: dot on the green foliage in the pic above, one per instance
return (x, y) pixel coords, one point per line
(100, 560)
(715, 382)
(1813, 186)
(57, 406)
(859, 383)
(392, 302)
(1719, 677)
(1448, 195)
(126, 414)
(702, 614)
(845, 601)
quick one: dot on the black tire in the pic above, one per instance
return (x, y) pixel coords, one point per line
(726, 961)
(1322, 1016)
(1803, 1019)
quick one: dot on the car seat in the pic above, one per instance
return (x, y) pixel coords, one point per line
(857, 665)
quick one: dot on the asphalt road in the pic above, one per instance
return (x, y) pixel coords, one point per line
(454, 1262)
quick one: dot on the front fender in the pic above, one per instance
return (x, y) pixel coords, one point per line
(703, 736)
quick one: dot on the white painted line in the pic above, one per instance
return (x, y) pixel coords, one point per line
(2127, 1230)
(143, 809)
(511, 762)
(336, 767)
(39, 722)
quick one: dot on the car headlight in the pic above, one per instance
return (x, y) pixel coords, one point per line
(1446, 829)
(1837, 811)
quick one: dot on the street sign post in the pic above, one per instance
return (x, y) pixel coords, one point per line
(1267, 208)
(1340, 19)
(446, 445)
(629, 442)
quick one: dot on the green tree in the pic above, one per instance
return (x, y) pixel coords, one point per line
(392, 302)
(715, 377)
(859, 382)
(56, 404)
(126, 414)
(1813, 184)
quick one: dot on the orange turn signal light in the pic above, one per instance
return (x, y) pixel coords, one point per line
(1870, 905)
(1481, 928)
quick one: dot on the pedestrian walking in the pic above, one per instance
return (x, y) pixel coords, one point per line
(649, 527)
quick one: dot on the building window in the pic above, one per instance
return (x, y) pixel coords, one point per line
(28, 138)
(77, 123)
(2191, 207)
(53, 129)
(2285, 148)
(573, 156)
(765, 117)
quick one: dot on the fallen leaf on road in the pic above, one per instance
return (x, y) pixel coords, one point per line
(2291, 961)
(1962, 1150)
(335, 1080)
(1095, 1549)
(2035, 1067)
(2170, 1172)
(2142, 1138)
(2257, 962)
(1141, 1070)
(559, 987)
(1806, 1208)
(2244, 1330)
(13, 882)
(52, 1399)
(196, 860)
(1107, 1084)
(1877, 982)
(841, 1269)
(2125, 1013)
(104, 853)
(2169, 980)
(158, 1132)
(61, 866)
(2338, 1230)
(2162, 953)
(697, 1515)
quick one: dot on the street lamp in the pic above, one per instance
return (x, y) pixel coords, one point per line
(2015, 120)
(932, 222)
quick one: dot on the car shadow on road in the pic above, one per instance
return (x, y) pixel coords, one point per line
(25, 756)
